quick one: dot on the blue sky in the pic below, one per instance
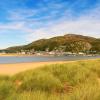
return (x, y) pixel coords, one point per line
(23, 21)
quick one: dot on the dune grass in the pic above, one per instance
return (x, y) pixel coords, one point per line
(78, 80)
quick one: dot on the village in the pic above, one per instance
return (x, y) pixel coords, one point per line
(49, 53)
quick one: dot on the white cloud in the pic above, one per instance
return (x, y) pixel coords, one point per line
(84, 27)
(46, 26)
(87, 24)
(21, 14)
(12, 25)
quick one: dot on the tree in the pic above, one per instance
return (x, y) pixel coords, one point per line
(77, 46)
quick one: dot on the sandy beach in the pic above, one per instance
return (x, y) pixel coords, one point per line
(11, 69)
(13, 54)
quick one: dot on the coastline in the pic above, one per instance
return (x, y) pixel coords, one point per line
(14, 54)
(12, 69)
(21, 55)
(24, 55)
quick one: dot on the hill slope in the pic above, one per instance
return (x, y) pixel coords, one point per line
(69, 42)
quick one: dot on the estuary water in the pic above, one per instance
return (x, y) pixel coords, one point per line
(26, 59)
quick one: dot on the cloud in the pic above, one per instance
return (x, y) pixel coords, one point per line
(55, 18)
(87, 24)
(11, 26)
(19, 15)
(83, 27)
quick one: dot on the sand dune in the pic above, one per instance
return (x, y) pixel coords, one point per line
(11, 69)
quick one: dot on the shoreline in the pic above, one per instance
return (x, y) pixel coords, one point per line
(23, 55)
(11, 55)
(12, 69)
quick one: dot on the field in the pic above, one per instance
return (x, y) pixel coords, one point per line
(78, 80)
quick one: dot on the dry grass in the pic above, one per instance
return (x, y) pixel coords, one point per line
(78, 80)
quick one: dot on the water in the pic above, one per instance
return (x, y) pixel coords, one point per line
(16, 59)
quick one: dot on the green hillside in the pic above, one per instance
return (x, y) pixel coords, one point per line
(68, 43)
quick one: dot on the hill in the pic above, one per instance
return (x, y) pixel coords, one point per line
(68, 43)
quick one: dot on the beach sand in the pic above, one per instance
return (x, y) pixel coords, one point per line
(11, 69)
(13, 54)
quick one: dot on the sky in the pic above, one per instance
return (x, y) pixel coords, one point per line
(24, 21)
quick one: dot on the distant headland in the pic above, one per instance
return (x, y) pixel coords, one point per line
(69, 44)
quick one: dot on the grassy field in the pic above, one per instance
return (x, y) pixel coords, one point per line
(78, 80)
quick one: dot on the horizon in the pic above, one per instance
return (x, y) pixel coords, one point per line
(22, 22)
